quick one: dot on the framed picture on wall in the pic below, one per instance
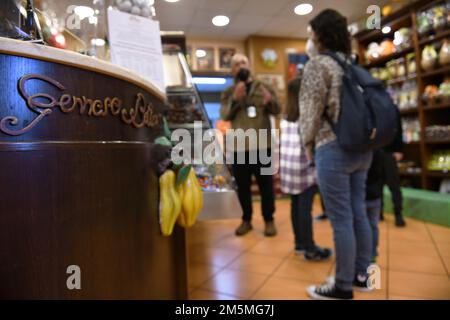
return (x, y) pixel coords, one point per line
(205, 58)
(225, 55)
(275, 80)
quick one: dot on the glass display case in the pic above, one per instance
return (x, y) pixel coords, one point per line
(186, 111)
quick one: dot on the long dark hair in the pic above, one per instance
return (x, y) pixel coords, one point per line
(292, 108)
(331, 29)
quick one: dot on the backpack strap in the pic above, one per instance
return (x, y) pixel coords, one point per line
(343, 63)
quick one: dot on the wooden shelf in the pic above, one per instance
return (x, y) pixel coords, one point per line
(438, 141)
(437, 71)
(410, 174)
(435, 37)
(437, 106)
(412, 143)
(438, 174)
(385, 59)
(409, 111)
(394, 82)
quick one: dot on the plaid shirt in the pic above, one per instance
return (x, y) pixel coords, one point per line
(296, 173)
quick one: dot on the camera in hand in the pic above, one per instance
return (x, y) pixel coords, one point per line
(243, 75)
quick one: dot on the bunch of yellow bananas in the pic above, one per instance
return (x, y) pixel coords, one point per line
(191, 200)
(169, 203)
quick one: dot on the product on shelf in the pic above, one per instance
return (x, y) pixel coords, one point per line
(411, 130)
(430, 94)
(444, 53)
(405, 96)
(437, 132)
(445, 186)
(411, 63)
(386, 48)
(444, 90)
(440, 161)
(373, 52)
(434, 19)
(402, 38)
(409, 167)
(429, 57)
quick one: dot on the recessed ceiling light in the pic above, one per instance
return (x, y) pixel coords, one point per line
(200, 53)
(220, 21)
(172, 0)
(303, 9)
(386, 29)
(84, 12)
(98, 42)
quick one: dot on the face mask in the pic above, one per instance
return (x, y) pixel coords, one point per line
(311, 49)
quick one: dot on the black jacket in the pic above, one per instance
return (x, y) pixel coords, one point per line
(397, 144)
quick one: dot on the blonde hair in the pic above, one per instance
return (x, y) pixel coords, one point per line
(237, 57)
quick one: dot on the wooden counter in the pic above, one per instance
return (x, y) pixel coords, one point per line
(77, 180)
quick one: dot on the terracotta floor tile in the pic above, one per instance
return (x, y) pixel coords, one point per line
(374, 295)
(298, 268)
(256, 263)
(215, 257)
(443, 248)
(417, 248)
(416, 263)
(282, 289)
(237, 243)
(201, 294)
(397, 297)
(236, 283)
(199, 273)
(274, 247)
(439, 233)
(419, 285)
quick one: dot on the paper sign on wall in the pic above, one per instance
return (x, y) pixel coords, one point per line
(135, 43)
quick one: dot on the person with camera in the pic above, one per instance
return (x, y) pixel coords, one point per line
(248, 105)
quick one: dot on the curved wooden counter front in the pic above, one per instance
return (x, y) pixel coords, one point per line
(77, 184)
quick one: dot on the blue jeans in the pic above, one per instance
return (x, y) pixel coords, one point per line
(373, 213)
(342, 182)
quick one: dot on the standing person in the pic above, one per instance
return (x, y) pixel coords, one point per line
(341, 174)
(248, 104)
(298, 179)
(374, 194)
(391, 155)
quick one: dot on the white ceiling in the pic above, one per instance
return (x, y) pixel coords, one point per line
(247, 17)
(250, 17)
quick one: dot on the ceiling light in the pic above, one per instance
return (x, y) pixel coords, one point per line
(303, 9)
(172, 0)
(202, 80)
(386, 29)
(84, 12)
(98, 42)
(200, 53)
(220, 21)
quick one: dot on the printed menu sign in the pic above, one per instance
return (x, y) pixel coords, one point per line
(135, 43)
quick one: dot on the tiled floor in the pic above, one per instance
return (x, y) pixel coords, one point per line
(414, 261)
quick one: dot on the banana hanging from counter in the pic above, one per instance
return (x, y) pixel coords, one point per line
(169, 203)
(191, 200)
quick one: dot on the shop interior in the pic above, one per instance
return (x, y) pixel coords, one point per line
(88, 186)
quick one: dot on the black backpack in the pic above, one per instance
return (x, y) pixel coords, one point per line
(368, 117)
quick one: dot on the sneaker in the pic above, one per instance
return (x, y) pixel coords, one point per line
(319, 254)
(244, 228)
(270, 229)
(359, 283)
(321, 217)
(299, 251)
(328, 291)
(399, 222)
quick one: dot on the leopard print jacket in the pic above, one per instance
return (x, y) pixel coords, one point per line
(319, 93)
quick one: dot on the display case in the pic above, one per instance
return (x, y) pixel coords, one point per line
(186, 111)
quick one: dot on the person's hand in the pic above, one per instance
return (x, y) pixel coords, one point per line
(240, 91)
(398, 156)
(266, 95)
(309, 153)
